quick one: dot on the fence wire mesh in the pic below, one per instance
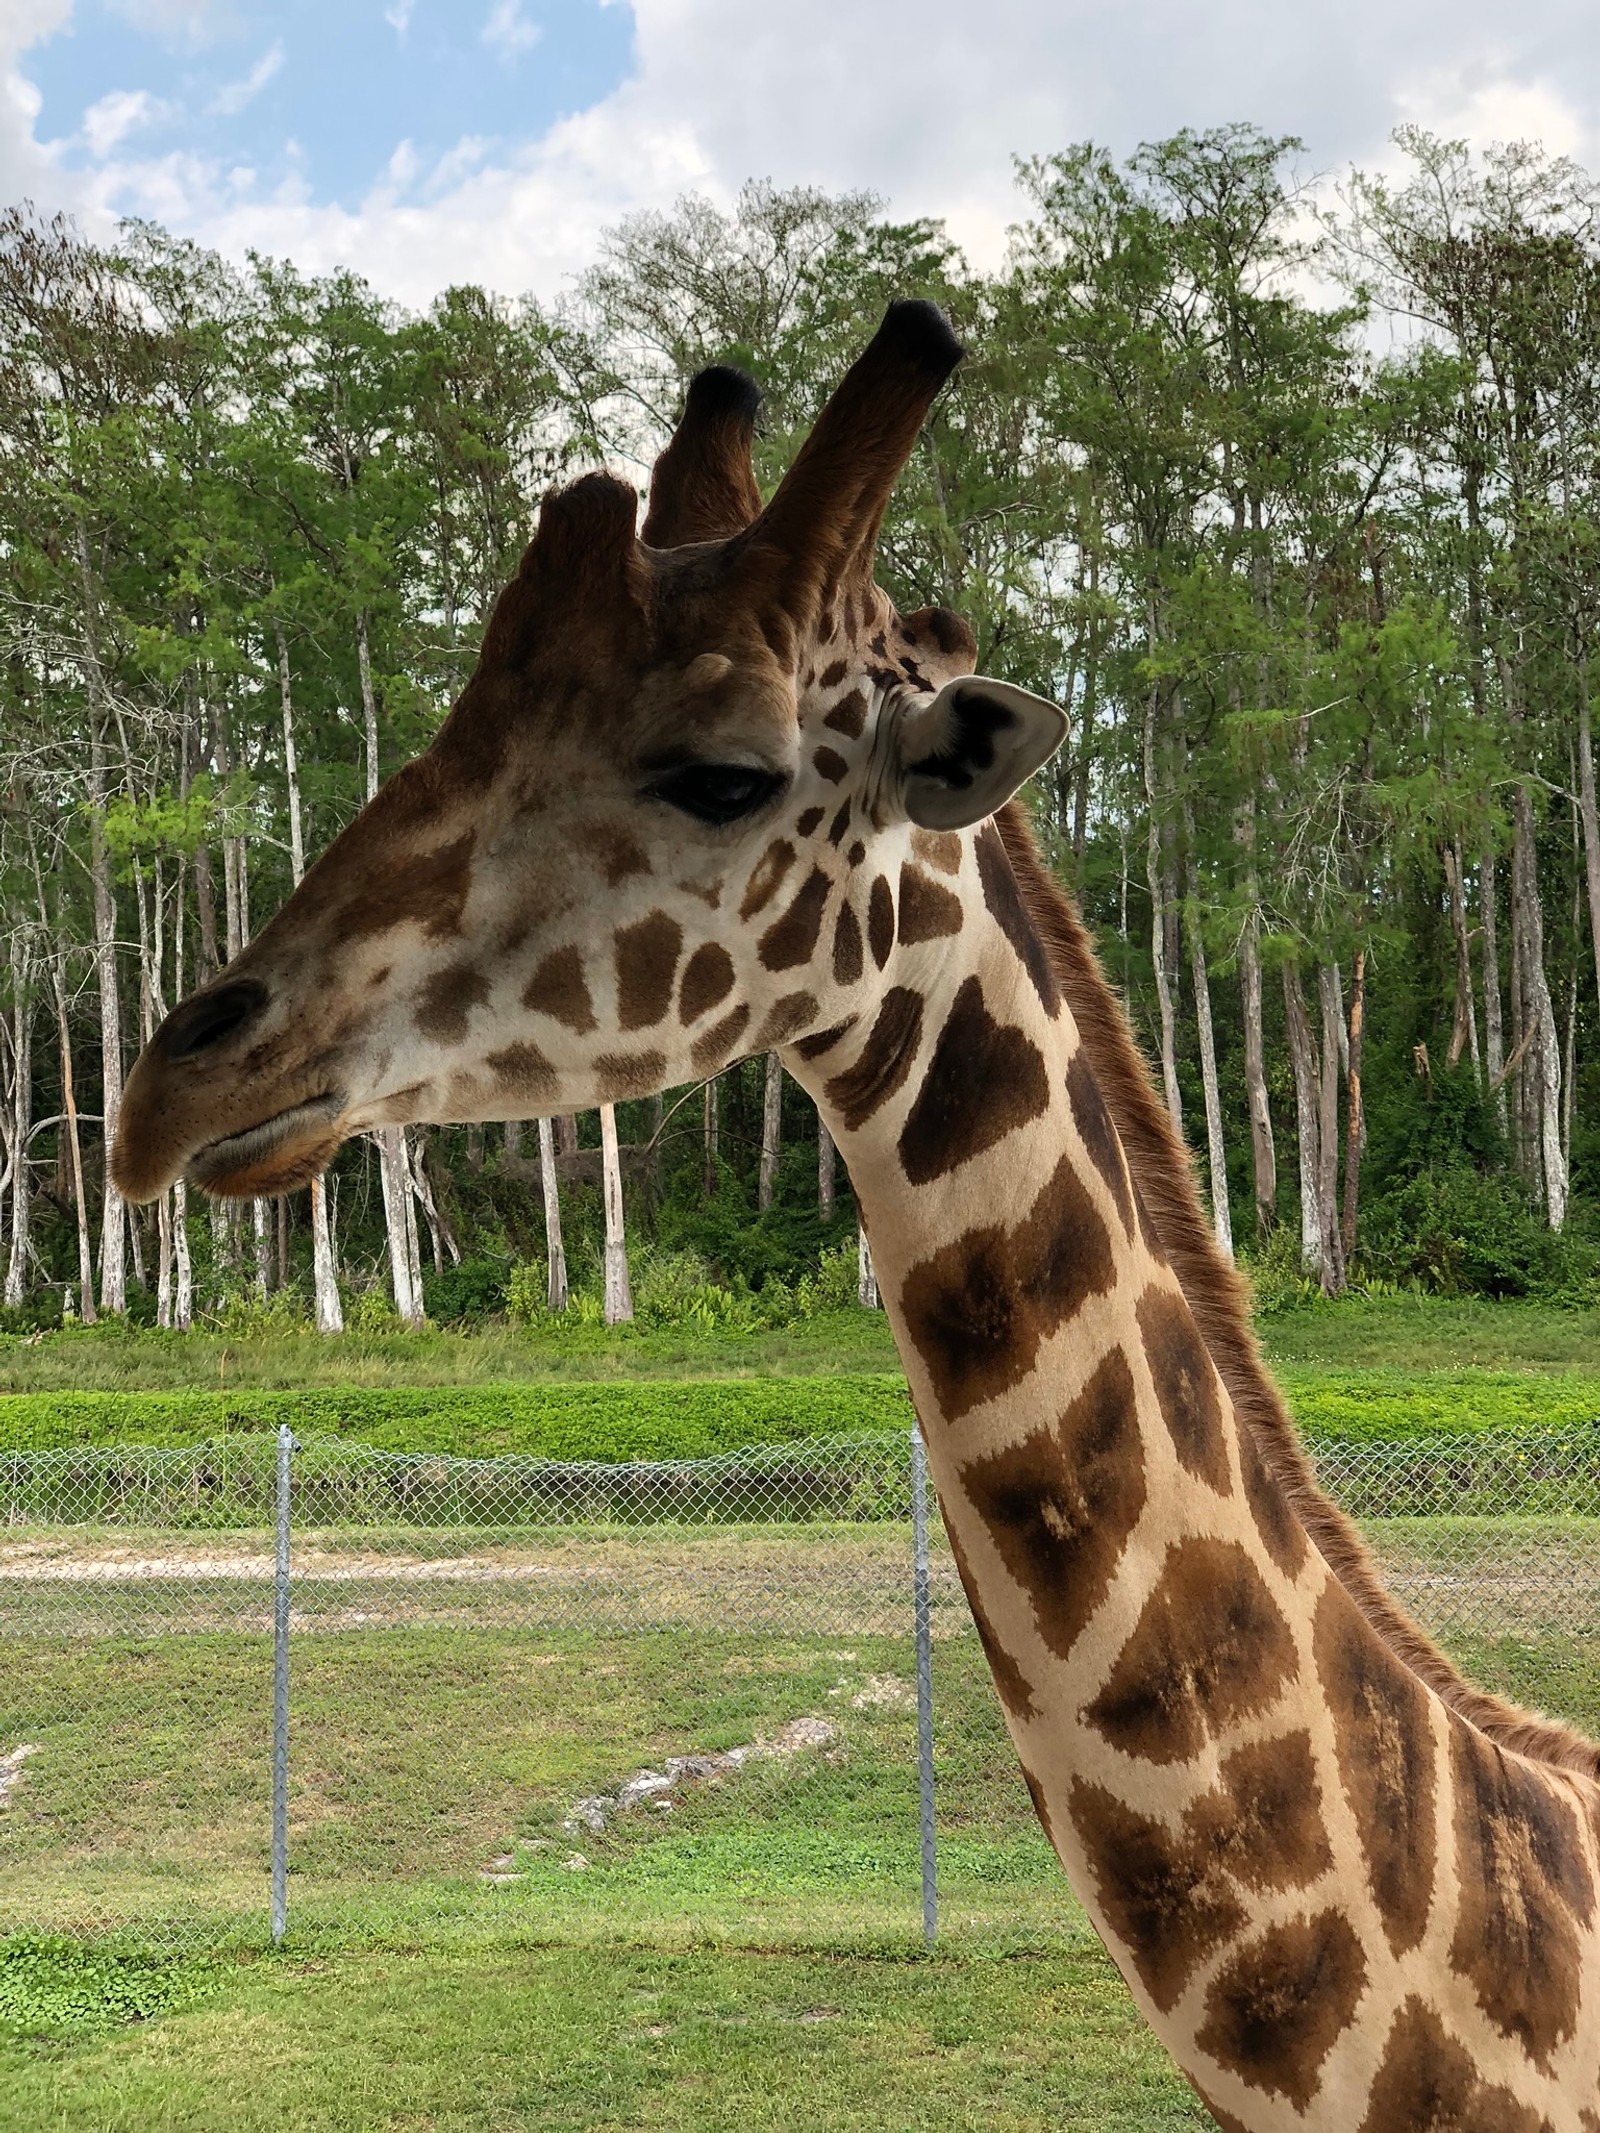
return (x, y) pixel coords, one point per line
(554, 1696)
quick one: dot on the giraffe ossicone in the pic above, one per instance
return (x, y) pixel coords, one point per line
(708, 793)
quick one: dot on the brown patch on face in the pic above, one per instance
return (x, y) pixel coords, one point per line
(619, 853)
(978, 1310)
(1186, 1387)
(1006, 908)
(880, 921)
(766, 877)
(1281, 1532)
(938, 848)
(985, 1080)
(620, 1075)
(429, 891)
(1277, 2009)
(833, 674)
(830, 764)
(850, 716)
(784, 1018)
(1524, 1892)
(824, 1040)
(839, 824)
(523, 1070)
(1011, 1683)
(1060, 1505)
(380, 976)
(707, 979)
(810, 822)
(885, 1059)
(1099, 1135)
(792, 939)
(1210, 1648)
(712, 1050)
(446, 1000)
(848, 961)
(557, 989)
(647, 963)
(1384, 1741)
(1428, 2081)
(927, 911)
(856, 853)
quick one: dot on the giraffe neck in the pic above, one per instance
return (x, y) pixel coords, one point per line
(1324, 1888)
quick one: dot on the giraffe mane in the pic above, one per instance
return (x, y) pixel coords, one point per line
(1219, 1299)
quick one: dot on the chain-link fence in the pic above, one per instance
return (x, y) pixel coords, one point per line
(550, 1697)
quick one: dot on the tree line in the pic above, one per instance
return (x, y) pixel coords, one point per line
(1290, 499)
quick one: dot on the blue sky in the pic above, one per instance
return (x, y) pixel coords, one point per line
(422, 142)
(323, 90)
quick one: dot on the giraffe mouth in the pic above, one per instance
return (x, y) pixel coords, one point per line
(282, 1152)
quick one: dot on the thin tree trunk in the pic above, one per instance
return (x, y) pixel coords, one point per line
(1308, 1140)
(396, 1189)
(164, 1260)
(260, 1215)
(1494, 1046)
(566, 1129)
(866, 1279)
(324, 1272)
(22, 1123)
(771, 1124)
(1263, 1148)
(1588, 815)
(511, 1140)
(554, 1250)
(1464, 1016)
(618, 1294)
(1543, 1067)
(827, 1169)
(1328, 1130)
(1158, 912)
(281, 1209)
(1216, 1152)
(86, 1309)
(711, 1123)
(1355, 1117)
(113, 1294)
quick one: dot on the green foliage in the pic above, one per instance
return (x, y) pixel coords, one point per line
(58, 1988)
(665, 1419)
(1460, 1231)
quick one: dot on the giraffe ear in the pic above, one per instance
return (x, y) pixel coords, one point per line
(964, 754)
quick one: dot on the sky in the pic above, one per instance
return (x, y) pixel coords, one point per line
(428, 141)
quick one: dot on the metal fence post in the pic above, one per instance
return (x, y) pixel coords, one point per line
(280, 1691)
(922, 1608)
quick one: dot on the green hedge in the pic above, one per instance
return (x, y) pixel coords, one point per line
(684, 1418)
(692, 1418)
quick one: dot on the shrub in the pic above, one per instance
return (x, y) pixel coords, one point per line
(1461, 1231)
(476, 1289)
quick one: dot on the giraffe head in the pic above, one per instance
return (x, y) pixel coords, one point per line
(665, 825)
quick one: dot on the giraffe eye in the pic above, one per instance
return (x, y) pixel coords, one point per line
(716, 792)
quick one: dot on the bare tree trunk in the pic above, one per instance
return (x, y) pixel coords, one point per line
(1328, 1130)
(74, 1148)
(1216, 1152)
(566, 1130)
(1587, 812)
(281, 1223)
(1464, 1017)
(771, 1123)
(511, 1140)
(1263, 1148)
(261, 1223)
(205, 904)
(21, 1121)
(618, 1294)
(711, 1138)
(324, 1273)
(113, 1294)
(1308, 1140)
(554, 1250)
(827, 1169)
(1494, 1047)
(369, 702)
(1542, 1070)
(1154, 873)
(1355, 1127)
(396, 1188)
(183, 1269)
(164, 1260)
(866, 1279)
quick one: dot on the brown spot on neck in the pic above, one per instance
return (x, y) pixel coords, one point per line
(1186, 1387)
(1428, 2081)
(1278, 2007)
(928, 912)
(446, 1000)
(885, 1059)
(984, 1081)
(558, 989)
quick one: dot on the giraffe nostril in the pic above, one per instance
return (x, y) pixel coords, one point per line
(210, 1017)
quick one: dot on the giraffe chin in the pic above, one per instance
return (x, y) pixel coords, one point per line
(279, 1155)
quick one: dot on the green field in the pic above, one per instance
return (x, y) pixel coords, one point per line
(751, 1959)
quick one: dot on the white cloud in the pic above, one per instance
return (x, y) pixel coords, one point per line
(108, 122)
(906, 97)
(232, 97)
(398, 16)
(508, 31)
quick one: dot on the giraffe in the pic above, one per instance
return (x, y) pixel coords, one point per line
(706, 794)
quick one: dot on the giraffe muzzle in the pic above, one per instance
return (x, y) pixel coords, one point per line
(277, 1155)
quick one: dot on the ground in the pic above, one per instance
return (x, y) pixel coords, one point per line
(750, 1959)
